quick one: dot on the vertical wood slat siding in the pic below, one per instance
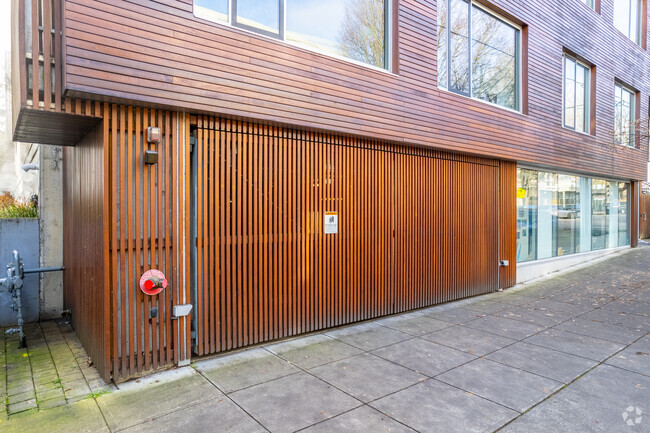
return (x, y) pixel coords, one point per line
(43, 52)
(644, 216)
(416, 227)
(84, 241)
(508, 223)
(147, 231)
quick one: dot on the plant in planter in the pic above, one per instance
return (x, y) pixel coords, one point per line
(11, 207)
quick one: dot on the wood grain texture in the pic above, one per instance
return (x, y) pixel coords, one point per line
(416, 227)
(644, 218)
(159, 53)
(147, 233)
(84, 278)
(508, 223)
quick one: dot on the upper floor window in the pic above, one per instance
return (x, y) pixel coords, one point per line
(624, 115)
(478, 53)
(356, 30)
(576, 95)
(590, 3)
(627, 18)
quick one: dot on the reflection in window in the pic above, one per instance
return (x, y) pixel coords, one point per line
(599, 213)
(442, 44)
(624, 116)
(356, 29)
(353, 29)
(589, 3)
(487, 68)
(623, 213)
(627, 15)
(568, 215)
(261, 15)
(560, 214)
(526, 215)
(576, 95)
(494, 70)
(216, 10)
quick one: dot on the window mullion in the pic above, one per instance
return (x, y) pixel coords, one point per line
(469, 46)
(448, 44)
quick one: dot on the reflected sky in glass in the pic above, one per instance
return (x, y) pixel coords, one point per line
(315, 22)
(262, 14)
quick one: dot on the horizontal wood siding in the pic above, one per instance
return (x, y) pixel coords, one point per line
(415, 228)
(157, 51)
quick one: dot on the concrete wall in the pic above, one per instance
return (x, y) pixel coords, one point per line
(51, 231)
(22, 235)
(528, 271)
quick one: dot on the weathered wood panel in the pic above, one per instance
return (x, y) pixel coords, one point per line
(157, 51)
(415, 228)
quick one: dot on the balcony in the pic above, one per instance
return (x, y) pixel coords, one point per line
(41, 111)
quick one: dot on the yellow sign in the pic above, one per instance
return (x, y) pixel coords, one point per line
(521, 193)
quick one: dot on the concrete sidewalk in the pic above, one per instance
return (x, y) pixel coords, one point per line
(566, 354)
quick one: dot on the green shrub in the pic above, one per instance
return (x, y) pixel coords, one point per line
(12, 208)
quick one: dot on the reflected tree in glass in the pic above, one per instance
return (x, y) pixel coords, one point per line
(494, 71)
(362, 32)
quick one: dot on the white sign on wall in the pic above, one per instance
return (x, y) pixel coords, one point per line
(331, 223)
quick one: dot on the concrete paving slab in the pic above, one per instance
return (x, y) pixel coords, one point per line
(633, 321)
(542, 318)
(603, 400)
(469, 340)
(369, 336)
(366, 376)
(312, 351)
(602, 330)
(433, 406)
(575, 344)
(215, 415)
(515, 329)
(629, 307)
(362, 420)
(293, 402)
(137, 402)
(509, 386)
(542, 361)
(635, 357)
(424, 356)
(553, 306)
(413, 324)
(454, 315)
(83, 416)
(244, 369)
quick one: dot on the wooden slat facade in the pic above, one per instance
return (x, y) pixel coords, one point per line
(147, 220)
(415, 228)
(423, 180)
(644, 220)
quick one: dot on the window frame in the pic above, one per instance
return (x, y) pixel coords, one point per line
(632, 127)
(588, 96)
(518, 55)
(281, 35)
(639, 21)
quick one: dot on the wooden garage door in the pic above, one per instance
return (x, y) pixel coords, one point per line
(415, 228)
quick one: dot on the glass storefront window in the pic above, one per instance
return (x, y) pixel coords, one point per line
(559, 214)
(568, 215)
(599, 220)
(526, 215)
